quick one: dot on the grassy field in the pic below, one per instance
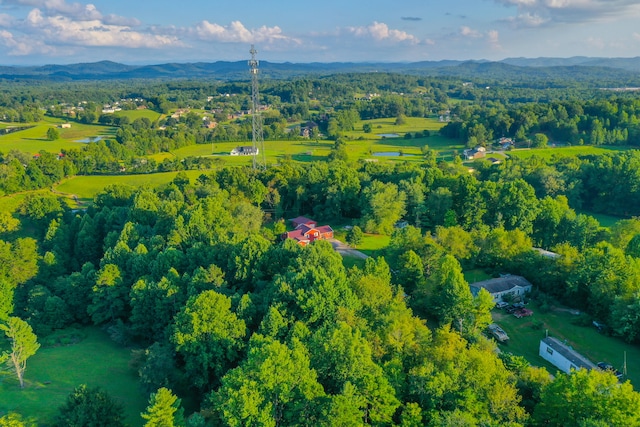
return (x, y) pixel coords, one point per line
(55, 371)
(604, 219)
(85, 187)
(34, 139)
(138, 114)
(548, 153)
(476, 275)
(525, 335)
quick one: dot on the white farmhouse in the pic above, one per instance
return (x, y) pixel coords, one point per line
(563, 356)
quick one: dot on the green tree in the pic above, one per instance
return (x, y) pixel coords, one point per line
(594, 396)
(164, 410)
(24, 344)
(13, 419)
(53, 134)
(6, 299)
(208, 335)
(274, 386)
(90, 407)
(450, 300)
(354, 236)
(384, 205)
(540, 140)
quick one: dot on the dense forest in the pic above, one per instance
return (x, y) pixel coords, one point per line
(254, 330)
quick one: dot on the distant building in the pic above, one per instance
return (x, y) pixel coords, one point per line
(475, 153)
(514, 286)
(563, 356)
(65, 126)
(245, 150)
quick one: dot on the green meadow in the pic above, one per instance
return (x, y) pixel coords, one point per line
(34, 139)
(85, 187)
(138, 114)
(56, 369)
(569, 151)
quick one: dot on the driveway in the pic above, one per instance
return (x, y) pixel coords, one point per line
(346, 250)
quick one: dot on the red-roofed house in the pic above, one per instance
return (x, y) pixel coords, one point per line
(307, 231)
(301, 220)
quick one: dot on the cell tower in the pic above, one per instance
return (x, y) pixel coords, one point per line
(259, 157)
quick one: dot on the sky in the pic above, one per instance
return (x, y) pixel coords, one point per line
(37, 32)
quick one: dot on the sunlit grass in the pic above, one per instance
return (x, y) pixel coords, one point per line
(55, 371)
(570, 151)
(34, 139)
(86, 187)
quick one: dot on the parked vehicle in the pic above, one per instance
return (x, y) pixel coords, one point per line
(609, 368)
(498, 333)
(523, 312)
(502, 304)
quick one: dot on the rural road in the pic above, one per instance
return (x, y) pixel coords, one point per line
(346, 250)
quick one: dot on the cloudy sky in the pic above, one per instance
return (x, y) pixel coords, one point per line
(145, 31)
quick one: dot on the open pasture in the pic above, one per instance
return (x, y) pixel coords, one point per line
(34, 139)
(568, 151)
(85, 187)
(138, 114)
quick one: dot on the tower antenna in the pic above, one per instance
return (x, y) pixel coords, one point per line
(259, 157)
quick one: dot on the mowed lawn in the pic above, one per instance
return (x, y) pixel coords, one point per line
(568, 151)
(34, 139)
(55, 371)
(525, 335)
(85, 187)
(138, 114)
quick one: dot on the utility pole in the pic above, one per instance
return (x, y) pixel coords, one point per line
(259, 157)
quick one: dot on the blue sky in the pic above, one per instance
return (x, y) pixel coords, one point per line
(145, 31)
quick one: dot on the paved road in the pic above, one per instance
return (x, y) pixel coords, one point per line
(346, 250)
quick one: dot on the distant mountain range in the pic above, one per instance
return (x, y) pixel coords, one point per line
(625, 70)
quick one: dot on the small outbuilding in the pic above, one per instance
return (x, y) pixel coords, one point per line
(562, 356)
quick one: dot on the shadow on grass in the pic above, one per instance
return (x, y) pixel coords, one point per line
(305, 157)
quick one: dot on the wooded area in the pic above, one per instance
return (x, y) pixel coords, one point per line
(248, 329)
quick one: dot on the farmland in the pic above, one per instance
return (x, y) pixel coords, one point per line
(34, 139)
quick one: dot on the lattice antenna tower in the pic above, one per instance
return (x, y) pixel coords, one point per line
(259, 157)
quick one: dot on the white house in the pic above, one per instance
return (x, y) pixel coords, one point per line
(245, 150)
(514, 286)
(563, 356)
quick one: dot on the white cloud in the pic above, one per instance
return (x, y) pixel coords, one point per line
(6, 20)
(527, 20)
(536, 12)
(469, 32)
(236, 32)
(63, 30)
(380, 31)
(493, 37)
(636, 36)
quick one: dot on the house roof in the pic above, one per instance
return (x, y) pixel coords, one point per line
(325, 229)
(300, 220)
(569, 353)
(500, 284)
(297, 235)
